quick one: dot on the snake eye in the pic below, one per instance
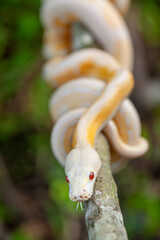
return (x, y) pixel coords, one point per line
(67, 180)
(91, 175)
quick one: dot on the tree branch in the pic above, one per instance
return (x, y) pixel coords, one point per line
(102, 212)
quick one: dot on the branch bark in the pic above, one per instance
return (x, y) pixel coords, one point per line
(103, 216)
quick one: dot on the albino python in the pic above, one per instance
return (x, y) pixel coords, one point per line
(95, 86)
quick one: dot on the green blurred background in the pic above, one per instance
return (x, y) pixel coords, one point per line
(34, 202)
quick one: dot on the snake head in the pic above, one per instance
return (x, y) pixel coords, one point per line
(81, 168)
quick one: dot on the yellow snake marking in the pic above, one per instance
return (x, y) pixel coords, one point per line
(63, 39)
(88, 68)
(107, 109)
(68, 138)
(110, 21)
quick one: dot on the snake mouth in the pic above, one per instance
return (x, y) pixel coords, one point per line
(80, 198)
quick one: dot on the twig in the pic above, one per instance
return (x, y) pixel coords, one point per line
(102, 212)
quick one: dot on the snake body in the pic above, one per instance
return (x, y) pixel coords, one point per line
(94, 91)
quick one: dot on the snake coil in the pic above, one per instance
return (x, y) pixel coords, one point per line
(95, 86)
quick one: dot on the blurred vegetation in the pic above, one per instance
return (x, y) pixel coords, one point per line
(34, 200)
(150, 20)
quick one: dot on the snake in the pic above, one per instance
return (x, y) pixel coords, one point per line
(93, 86)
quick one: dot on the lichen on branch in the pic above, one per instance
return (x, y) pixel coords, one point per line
(103, 216)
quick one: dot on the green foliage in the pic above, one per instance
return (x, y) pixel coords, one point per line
(20, 235)
(20, 31)
(6, 214)
(139, 202)
(146, 134)
(38, 105)
(59, 192)
(143, 210)
(150, 20)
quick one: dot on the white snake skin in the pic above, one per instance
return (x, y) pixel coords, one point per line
(95, 86)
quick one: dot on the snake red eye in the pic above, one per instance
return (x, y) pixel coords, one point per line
(67, 180)
(91, 175)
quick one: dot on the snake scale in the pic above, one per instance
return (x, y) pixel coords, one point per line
(93, 89)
